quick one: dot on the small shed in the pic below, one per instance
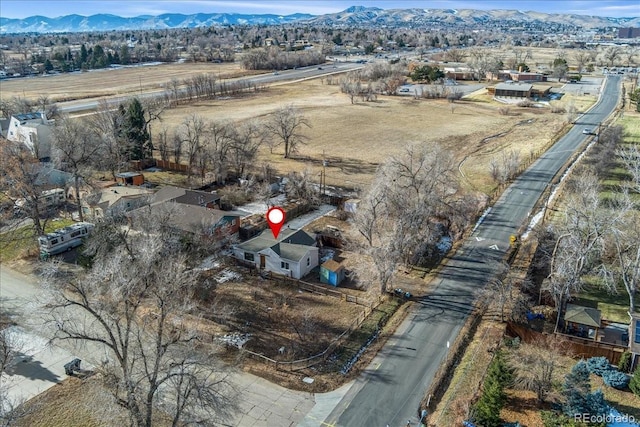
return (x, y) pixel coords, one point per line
(582, 321)
(130, 178)
(332, 273)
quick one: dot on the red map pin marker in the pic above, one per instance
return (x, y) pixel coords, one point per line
(275, 219)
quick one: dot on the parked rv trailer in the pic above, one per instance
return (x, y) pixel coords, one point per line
(64, 239)
(48, 199)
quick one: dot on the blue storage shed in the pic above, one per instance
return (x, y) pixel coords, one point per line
(331, 273)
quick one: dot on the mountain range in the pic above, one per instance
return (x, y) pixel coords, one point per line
(353, 16)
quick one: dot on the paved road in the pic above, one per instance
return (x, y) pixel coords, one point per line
(263, 79)
(390, 389)
(38, 365)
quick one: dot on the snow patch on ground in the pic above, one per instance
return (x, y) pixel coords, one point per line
(261, 207)
(227, 275)
(209, 263)
(307, 218)
(540, 214)
(235, 339)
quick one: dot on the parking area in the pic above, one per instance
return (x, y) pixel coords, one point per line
(586, 86)
(451, 85)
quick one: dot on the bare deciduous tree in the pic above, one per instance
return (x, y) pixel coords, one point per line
(301, 186)
(506, 168)
(630, 157)
(536, 365)
(622, 254)
(106, 125)
(401, 216)
(191, 132)
(286, 125)
(611, 54)
(136, 303)
(74, 151)
(21, 183)
(579, 242)
(581, 58)
(245, 141)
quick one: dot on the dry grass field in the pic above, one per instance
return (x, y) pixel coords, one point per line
(355, 139)
(108, 82)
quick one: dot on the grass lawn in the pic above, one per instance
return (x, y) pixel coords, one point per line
(21, 242)
(631, 123)
(613, 307)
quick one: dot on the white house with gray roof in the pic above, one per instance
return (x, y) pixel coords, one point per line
(293, 254)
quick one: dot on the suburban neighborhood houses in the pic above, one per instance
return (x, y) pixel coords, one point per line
(456, 236)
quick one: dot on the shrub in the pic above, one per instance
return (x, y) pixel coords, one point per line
(615, 379)
(504, 111)
(557, 109)
(625, 361)
(598, 365)
(526, 103)
(634, 384)
(554, 419)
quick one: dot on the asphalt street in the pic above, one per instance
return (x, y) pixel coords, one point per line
(38, 365)
(391, 388)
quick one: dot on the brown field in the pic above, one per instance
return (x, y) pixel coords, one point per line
(355, 139)
(104, 83)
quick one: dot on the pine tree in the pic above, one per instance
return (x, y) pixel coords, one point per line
(135, 131)
(577, 388)
(634, 384)
(580, 400)
(487, 409)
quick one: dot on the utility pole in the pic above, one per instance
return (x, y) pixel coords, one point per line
(323, 184)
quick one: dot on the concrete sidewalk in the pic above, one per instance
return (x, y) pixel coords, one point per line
(37, 367)
(265, 404)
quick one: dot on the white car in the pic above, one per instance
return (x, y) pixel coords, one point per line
(587, 131)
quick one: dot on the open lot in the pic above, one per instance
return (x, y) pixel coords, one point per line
(355, 139)
(110, 82)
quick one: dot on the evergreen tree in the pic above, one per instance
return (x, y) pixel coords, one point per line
(135, 131)
(48, 66)
(487, 409)
(597, 404)
(634, 384)
(576, 388)
(83, 54)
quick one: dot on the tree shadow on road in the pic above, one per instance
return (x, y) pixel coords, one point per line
(31, 369)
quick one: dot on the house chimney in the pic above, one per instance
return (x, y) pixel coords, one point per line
(520, 69)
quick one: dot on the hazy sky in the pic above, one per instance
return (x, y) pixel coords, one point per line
(54, 8)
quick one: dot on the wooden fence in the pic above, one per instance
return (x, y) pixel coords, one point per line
(294, 365)
(580, 347)
(326, 290)
(172, 166)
